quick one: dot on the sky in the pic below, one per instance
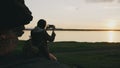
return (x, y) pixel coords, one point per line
(77, 14)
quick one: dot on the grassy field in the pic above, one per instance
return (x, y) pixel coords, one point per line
(86, 55)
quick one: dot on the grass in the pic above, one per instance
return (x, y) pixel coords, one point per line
(86, 55)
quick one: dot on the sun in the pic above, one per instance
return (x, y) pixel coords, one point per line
(112, 24)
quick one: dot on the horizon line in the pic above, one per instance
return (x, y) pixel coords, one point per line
(61, 29)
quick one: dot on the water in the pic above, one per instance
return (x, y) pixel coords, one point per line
(83, 36)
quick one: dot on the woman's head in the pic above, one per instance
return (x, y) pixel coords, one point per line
(41, 23)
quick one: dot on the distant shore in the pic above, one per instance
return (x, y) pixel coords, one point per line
(60, 29)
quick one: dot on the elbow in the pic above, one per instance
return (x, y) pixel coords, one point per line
(52, 39)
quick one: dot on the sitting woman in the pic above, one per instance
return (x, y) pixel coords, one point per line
(40, 37)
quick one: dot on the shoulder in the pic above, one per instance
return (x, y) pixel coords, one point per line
(37, 29)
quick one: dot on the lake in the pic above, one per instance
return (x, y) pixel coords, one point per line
(82, 36)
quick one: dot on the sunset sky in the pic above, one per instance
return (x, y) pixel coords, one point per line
(76, 13)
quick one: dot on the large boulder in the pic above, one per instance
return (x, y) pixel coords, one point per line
(35, 62)
(14, 13)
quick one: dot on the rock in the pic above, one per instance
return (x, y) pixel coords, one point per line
(35, 63)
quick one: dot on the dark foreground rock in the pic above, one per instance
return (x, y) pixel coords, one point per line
(33, 63)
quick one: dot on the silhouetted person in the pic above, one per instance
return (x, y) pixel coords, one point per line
(40, 37)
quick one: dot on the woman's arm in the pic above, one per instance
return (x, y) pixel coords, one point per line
(50, 38)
